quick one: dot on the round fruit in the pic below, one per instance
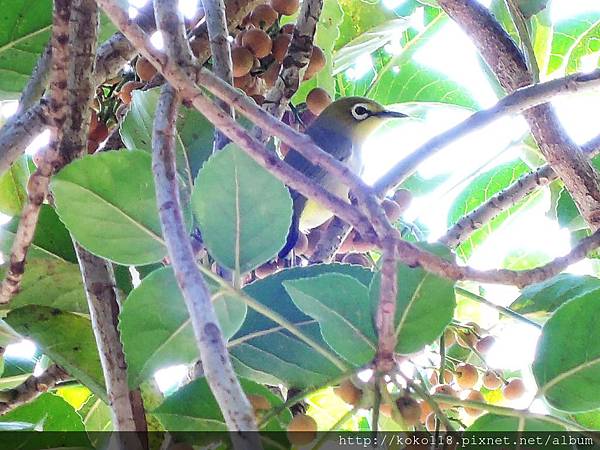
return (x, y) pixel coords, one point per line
(237, 41)
(263, 16)
(285, 7)
(449, 338)
(448, 377)
(386, 409)
(360, 245)
(403, 197)
(357, 259)
(445, 389)
(144, 69)
(288, 28)
(466, 376)
(466, 339)
(316, 63)
(430, 423)
(347, 244)
(258, 42)
(271, 74)
(265, 270)
(409, 409)
(425, 411)
(301, 244)
(243, 81)
(475, 396)
(348, 392)
(259, 403)
(302, 430)
(485, 344)
(392, 209)
(317, 100)
(514, 389)
(280, 46)
(125, 92)
(491, 381)
(243, 60)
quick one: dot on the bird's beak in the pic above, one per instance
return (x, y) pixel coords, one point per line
(389, 114)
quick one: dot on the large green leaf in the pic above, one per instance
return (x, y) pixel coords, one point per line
(340, 304)
(183, 412)
(424, 304)
(545, 297)
(13, 185)
(66, 338)
(325, 37)
(567, 360)
(155, 325)
(361, 17)
(193, 138)
(495, 423)
(244, 212)
(53, 283)
(108, 202)
(478, 191)
(567, 213)
(265, 352)
(96, 415)
(24, 31)
(570, 40)
(587, 43)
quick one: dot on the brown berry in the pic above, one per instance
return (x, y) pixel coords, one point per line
(445, 389)
(271, 74)
(258, 42)
(409, 409)
(285, 7)
(491, 380)
(280, 46)
(259, 403)
(403, 197)
(317, 100)
(99, 133)
(466, 339)
(392, 210)
(266, 269)
(302, 430)
(316, 63)
(348, 392)
(127, 88)
(386, 409)
(449, 338)
(144, 69)
(430, 423)
(242, 60)
(448, 377)
(477, 397)
(358, 259)
(485, 344)
(466, 376)
(237, 41)
(514, 389)
(263, 16)
(288, 28)
(301, 244)
(243, 81)
(425, 411)
(360, 245)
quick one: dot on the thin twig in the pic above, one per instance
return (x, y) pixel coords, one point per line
(385, 318)
(216, 363)
(31, 388)
(38, 81)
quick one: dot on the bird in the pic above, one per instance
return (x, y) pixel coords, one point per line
(340, 130)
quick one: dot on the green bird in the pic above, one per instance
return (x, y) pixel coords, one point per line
(340, 130)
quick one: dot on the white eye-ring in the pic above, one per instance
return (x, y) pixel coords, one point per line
(360, 111)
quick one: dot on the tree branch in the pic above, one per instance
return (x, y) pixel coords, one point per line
(37, 187)
(386, 310)
(506, 198)
(507, 62)
(219, 372)
(31, 388)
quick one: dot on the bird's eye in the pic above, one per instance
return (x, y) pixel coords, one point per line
(360, 112)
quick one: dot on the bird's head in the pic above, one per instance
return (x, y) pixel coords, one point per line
(356, 117)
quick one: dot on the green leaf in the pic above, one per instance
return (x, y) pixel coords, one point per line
(13, 188)
(325, 37)
(494, 422)
(244, 212)
(567, 361)
(193, 138)
(107, 201)
(478, 191)
(590, 419)
(183, 412)
(361, 17)
(24, 31)
(51, 240)
(424, 304)
(341, 306)
(567, 213)
(570, 39)
(587, 43)
(66, 338)
(53, 283)
(547, 296)
(96, 415)
(265, 352)
(156, 331)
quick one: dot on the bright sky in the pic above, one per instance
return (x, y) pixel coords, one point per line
(451, 52)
